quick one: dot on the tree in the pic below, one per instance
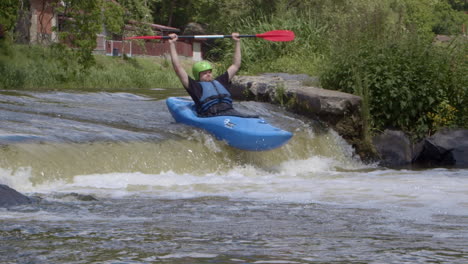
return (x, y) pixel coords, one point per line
(83, 22)
(113, 15)
(8, 14)
(459, 5)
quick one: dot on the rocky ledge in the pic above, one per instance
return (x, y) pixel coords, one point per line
(337, 110)
(342, 112)
(446, 148)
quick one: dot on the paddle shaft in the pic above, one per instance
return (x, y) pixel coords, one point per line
(274, 35)
(210, 36)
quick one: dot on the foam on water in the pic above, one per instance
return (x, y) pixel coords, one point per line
(314, 180)
(170, 192)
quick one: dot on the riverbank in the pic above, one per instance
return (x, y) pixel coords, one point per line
(344, 114)
(52, 68)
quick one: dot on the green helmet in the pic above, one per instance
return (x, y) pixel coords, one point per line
(199, 67)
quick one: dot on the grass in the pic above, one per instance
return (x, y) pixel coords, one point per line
(50, 68)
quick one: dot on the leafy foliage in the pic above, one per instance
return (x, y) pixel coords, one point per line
(412, 84)
(113, 16)
(8, 14)
(139, 11)
(81, 27)
(427, 16)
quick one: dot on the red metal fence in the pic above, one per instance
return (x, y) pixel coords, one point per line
(138, 48)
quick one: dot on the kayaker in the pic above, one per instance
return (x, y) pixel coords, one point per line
(211, 95)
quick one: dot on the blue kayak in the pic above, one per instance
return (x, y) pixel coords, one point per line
(253, 134)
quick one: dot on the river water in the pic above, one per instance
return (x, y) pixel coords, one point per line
(116, 180)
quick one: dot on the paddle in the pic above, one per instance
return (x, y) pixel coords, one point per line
(274, 35)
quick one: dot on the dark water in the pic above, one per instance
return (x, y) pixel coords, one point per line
(220, 230)
(115, 180)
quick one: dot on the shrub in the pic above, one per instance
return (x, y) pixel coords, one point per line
(408, 78)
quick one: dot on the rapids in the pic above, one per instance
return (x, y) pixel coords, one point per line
(169, 193)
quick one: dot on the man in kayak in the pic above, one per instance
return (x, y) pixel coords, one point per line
(211, 95)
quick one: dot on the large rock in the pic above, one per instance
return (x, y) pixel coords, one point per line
(10, 197)
(340, 111)
(394, 148)
(446, 148)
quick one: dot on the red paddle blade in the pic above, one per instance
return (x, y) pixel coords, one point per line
(277, 35)
(145, 37)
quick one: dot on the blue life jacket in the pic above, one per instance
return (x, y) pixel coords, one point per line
(213, 93)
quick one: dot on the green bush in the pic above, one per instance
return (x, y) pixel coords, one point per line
(407, 78)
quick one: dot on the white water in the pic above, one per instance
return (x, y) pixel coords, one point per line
(322, 180)
(169, 193)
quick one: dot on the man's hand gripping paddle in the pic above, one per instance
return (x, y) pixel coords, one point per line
(274, 35)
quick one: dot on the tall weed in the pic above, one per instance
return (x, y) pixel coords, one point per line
(303, 55)
(408, 78)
